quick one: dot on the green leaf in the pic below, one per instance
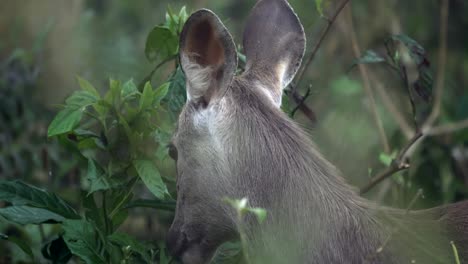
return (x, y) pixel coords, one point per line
(386, 159)
(149, 174)
(57, 251)
(161, 44)
(167, 205)
(147, 97)
(65, 121)
(20, 243)
(98, 180)
(319, 6)
(176, 96)
(81, 99)
(24, 215)
(260, 213)
(83, 241)
(132, 244)
(19, 193)
(88, 87)
(160, 93)
(129, 89)
(369, 57)
(183, 16)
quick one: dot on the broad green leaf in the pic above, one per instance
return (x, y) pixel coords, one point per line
(83, 241)
(167, 205)
(24, 215)
(65, 121)
(126, 241)
(160, 93)
(85, 85)
(151, 177)
(57, 251)
(18, 193)
(20, 243)
(161, 44)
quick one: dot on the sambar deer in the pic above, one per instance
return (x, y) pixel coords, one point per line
(234, 141)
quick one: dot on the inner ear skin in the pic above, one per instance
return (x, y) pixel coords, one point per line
(204, 45)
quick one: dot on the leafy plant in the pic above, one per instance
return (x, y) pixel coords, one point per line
(121, 135)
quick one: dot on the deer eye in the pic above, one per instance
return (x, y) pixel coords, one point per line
(172, 151)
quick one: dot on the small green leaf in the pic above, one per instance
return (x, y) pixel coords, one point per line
(129, 89)
(24, 215)
(19, 193)
(81, 99)
(98, 179)
(260, 213)
(147, 97)
(386, 159)
(85, 85)
(151, 177)
(83, 241)
(369, 57)
(319, 6)
(65, 121)
(160, 93)
(161, 44)
(126, 241)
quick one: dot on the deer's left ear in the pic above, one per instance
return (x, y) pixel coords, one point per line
(274, 43)
(208, 56)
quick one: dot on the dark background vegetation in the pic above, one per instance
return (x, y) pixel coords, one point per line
(45, 44)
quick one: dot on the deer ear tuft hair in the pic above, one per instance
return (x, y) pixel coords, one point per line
(274, 43)
(208, 56)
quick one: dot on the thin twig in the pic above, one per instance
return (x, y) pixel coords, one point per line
(398, 164)
(393, 110)
(449, 128)
(293, 93)
(150, 75)
(442, 61)
(317, 45)
(367, 85)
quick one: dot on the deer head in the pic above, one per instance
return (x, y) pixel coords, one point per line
(228, 131)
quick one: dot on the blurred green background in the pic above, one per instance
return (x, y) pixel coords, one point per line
(45, 44)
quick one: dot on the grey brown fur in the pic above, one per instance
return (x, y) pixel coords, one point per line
(234, 141)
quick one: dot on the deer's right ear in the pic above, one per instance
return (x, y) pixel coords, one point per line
(208, 56)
